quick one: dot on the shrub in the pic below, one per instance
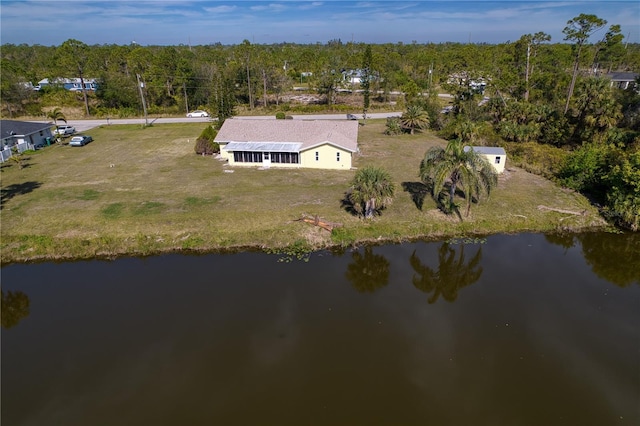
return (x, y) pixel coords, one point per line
(206, 147)
(33, 109)
(280, 115)
(205, 144)
(543, 160)
(393, 126)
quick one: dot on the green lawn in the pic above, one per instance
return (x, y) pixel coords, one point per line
(141, 190)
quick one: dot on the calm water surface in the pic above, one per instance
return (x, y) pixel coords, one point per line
(517, 330)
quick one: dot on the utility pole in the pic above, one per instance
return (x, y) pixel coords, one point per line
(186, 99)
(430, 75)
(264, 82)
(144, 104)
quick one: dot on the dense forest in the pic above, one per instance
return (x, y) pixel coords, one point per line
(548, 102)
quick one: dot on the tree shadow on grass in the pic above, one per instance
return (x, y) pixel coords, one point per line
(347, 205)
(11, 191)
(23, 164)
(444, 203)
(418, 192)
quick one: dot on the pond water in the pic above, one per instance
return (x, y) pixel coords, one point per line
(511, 330)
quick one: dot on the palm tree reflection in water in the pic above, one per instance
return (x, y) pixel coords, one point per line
(368, 272)
(453, 273)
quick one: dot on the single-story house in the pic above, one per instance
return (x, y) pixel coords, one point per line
(320, 144)
(72, 84)
(23, 134)
(496, 156)
(356, 76)
(622, 80)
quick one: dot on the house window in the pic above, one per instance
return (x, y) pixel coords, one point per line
(247, 157)
(285, 157)
(338, 156)
(497, 160)
(317, 156)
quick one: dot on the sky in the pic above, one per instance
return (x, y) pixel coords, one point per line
(201, 22)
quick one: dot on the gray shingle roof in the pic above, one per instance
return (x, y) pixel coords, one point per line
(10, 128)
(307, 133)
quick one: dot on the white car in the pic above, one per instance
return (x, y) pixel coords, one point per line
(64, 130)
(198, 113)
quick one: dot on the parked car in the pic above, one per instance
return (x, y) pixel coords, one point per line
(351, 117)
(198, 113)
(64, 130)
(80, 140)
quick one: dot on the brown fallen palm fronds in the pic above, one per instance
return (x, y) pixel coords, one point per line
(315, 220)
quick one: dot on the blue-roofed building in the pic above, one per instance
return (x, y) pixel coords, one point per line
(72, 84)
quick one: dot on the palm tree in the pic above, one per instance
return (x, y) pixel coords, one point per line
(414, 118)
(467, 131)
(596, 108)
(371, 190)
(56, 114)
(459, 167)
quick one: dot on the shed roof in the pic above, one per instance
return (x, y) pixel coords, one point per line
(9, 128)
(278, 133)
(487, 150)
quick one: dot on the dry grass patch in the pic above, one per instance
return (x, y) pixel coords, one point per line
(138, 190)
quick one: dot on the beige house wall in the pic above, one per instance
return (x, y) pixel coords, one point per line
(326, 157)
(226, 154)
(497, 161)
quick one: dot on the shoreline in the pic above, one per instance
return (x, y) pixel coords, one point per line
(286, 250)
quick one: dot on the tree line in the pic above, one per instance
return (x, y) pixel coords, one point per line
(546, 100)
(177, 78)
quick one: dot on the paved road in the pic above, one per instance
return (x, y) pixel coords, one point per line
(84, 125)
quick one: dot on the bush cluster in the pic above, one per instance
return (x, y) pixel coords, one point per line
(205, 144)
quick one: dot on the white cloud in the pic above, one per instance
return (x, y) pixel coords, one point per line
(221, 9)
(171, 22)
(274, 7)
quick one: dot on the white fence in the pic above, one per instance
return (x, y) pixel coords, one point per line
(6, 153)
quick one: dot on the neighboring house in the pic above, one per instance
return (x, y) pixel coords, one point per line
(496, 156)
(355, 76)
(29, 85)
(623, 80)
(24, 135)
(352, 76)
(72, 84)
(320, 144)
(462, 79)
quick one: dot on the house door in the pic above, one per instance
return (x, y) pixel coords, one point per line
(266, 160)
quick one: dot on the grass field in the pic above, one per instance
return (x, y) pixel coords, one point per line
(139, 191)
